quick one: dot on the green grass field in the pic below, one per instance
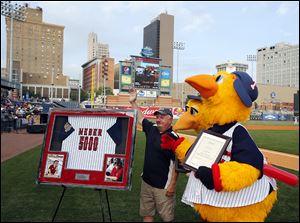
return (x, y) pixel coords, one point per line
(24, 201)
(286, 141)
(259, 122)
(279, 123)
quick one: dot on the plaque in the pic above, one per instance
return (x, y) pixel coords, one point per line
(207, 149)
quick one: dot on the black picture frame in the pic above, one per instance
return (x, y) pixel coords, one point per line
(179, 167)
(201, 153)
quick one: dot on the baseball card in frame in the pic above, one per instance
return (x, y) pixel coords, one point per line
(89, 148)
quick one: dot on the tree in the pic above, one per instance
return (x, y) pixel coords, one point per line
(74, 95)
(84, 95)
(108, 91)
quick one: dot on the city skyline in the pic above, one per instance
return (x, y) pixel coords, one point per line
(213, 32)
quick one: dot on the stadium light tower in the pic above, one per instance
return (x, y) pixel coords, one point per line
(251, 58)
(178, 46)
(17, 12)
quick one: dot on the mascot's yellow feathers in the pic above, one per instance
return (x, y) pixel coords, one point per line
(182, 149)
(226, 99)
(235, 175)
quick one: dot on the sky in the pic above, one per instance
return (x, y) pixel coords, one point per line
(213, 32)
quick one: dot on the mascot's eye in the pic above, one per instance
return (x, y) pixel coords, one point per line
(186, 108)
(219, 79)
(193, 111)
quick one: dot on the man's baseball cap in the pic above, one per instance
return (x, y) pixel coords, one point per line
(164, 111)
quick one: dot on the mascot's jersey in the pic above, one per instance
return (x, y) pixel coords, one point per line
(81, 159)
(196, 192)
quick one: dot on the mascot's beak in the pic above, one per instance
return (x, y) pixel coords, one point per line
(205, 84)
(186, 121)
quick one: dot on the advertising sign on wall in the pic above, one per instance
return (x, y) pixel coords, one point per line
(147, 94)
(125, 77)
(89, 148)
(126, 70)
(270, 117)
(126, 80)
(165, 80)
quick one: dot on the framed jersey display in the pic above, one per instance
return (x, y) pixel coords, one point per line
(89, 148)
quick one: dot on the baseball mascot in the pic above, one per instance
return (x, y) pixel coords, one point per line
(241, 186)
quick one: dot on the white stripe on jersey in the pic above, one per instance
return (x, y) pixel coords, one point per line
(88, 159)
(171, 166)
(196, 192)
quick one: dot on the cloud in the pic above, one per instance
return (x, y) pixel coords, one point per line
(198, 23)
(287, 34)
(74, 69)
(252, 6)
(137, 29)
(282, 9)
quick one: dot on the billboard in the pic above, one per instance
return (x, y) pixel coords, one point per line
(125, 77)
(146, 72)
(270, 117)
(89, 148)
(165, 80)
(147, 94)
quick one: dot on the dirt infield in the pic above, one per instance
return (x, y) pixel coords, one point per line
(271, 127)
(13, 144)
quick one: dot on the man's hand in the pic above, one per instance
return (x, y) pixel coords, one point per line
(132, 95)
(171, 190)
(132, 100)
(170, 141)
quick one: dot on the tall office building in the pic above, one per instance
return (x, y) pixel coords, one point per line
(37, 54)
(95, 49)
(159, 35)
(231, 66)
(278, 65)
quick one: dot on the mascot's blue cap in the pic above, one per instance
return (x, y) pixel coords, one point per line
(195, 97)
(245, 87)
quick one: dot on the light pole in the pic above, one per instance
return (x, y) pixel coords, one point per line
(17, 12)
(251, 58)
(182, 94)
(52, 83)
(92, 87)
(79, 93)
(105, 73)
(178, 46)
(79, 86)
(21, 85)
